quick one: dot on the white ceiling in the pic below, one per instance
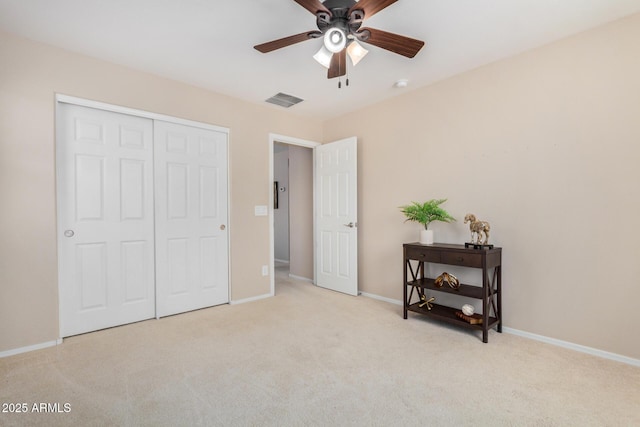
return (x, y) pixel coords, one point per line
(209, 43)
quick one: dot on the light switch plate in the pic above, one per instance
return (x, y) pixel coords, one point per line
(261, 210)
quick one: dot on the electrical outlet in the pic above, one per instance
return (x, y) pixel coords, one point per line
(265, 270)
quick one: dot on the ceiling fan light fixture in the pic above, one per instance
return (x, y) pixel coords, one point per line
(323, 56)
(335, 40)
(339, 24)
(356, 52)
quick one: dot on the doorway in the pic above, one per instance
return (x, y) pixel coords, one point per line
(291, 165)
(292, 212)
(334, 219)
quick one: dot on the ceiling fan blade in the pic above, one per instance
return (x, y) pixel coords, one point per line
(287, 41)
(313, 6)
(395, 43)
(338, 65)
(371, 7)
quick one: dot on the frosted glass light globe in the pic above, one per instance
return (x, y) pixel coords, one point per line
(335, 40)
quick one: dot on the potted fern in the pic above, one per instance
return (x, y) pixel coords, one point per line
(425, 213)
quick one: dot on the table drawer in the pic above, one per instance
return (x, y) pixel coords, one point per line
(458, 258)
(419, 254)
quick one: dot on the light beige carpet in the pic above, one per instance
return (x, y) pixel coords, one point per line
(312, 357)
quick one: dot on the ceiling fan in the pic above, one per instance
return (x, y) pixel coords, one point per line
(339, 24)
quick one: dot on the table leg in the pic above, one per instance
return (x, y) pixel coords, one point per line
(404, 286)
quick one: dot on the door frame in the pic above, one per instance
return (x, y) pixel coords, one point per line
(289, 140)
(66, 99)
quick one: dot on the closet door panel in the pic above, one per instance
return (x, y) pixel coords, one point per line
(191, 218)
(104, 165)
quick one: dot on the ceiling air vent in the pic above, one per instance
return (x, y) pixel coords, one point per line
(284, 100)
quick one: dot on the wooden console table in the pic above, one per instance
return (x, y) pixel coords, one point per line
(416, 255)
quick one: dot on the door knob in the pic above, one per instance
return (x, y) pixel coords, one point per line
(68, 233)
(351, 225)
(222, 227)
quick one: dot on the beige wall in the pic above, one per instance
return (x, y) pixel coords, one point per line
(30, 75)
(546, 147)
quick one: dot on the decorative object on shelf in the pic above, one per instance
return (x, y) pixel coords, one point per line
(478, 230)
(447, 278)
(468, 309)
(474, 319)
(425, 213)
(427, 302)
(426, 237)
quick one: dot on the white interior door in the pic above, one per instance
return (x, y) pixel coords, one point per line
(105, 219)
(191, 218)
(336, 224)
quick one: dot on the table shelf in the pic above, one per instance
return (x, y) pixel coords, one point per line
(448, 314)
(470, 291)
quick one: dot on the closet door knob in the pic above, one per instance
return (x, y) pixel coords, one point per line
(222, 227)
(68, 233)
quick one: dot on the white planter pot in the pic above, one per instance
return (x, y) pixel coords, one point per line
(426, 237)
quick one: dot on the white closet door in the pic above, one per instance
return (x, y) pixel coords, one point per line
(105, 219)
(191, 218)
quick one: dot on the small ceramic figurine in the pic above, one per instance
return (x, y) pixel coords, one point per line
(478, 229)
(447, 278)
(426, 301)
(468, 309)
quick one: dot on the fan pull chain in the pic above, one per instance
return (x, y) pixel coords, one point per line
(346, 68)
(340, 77)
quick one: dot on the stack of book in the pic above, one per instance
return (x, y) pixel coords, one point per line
(474, 319)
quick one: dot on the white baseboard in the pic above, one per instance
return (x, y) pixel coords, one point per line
(242, 301)
(572, 346)
(542, 338)
(28, 348)
(378, 297)
(304, 279)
